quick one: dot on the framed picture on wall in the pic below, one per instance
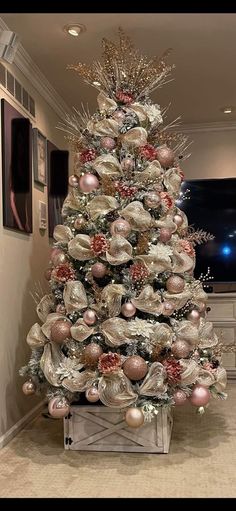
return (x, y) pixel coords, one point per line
(57, 177)
(16, 169)
(40, 157)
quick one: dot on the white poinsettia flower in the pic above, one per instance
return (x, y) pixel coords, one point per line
(141, 327)
(154, 114)
(67, 368)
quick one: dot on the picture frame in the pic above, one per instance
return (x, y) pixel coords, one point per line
(16, 169)
(57, 184)
(39, 157)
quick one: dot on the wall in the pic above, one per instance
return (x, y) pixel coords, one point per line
(23, 259)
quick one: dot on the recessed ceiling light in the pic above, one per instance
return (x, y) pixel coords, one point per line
(74, 29)
(227, 109)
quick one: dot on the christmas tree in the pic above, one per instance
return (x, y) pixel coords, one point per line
(124, 323)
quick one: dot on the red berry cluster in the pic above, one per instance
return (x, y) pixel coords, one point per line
(87, 155)
(124, 97)
(99, 244)
(63, 273)
(109, 362)
(138, 272)
(125, 190)
(168, 201)
(148, 151)
(173, 370)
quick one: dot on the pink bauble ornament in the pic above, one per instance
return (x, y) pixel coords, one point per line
(180, 397)
(92, 352)
(134, 417)
(127, 164)
(200, 396)
(73, 181)
(89, 317)
(28, 388)
(165, 235)
(92, 394)
(135, 368)
(59, 258)
(88, 183)
(119, 116)
(60, 331)
(120, 227)
(58, 407)
(60, 309)
(128, 310)
(98, 270)
(165, 156)
(193, 316)
(175, 284)
(79, 223)
(47, 273)
(54, 252)
(178, 220)
(168, 308)
(180, 349)
(152, 200)
(108, 143)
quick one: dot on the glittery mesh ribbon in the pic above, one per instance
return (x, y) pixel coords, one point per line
(117, 331)
(186, 331)
(106, 104)
(80, 331)
(172, 182)
(190, 371)
(44, 307)
(101, 205)
(135, 137)
(158, 259)
(111, 297)
(79, 248)
(72, 201)
(140, 111)
(51, 318)
(205, 378)
(115, 390)
(153, 384)
(80, 381)
(162, 335)
(137, 216)
(220, 375)
(198, 294)
(62, 233)
(35, 337)
(148, 301)
(74, 296)
(207, 336)
(107, 165)
(119, 252)
(50, 361)
(178, 299)
(166, 221)
(104, 128)
(182, 262)
(152, 173)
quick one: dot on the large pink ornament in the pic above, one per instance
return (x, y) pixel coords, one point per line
(127, 164)
(165, 156)
(58, 407)
(180, 397)
(152, 200)
(60, 331)
(193, 316)
(180, 349)
(178, 220)
(165, 235)
(92, 352)
(135, 367)
(119, 116)
(108, 143)
(128, 310)
(88, 183)
(89, 317)
(120, 227)
(47, 273)
(175, 284)
(60, 258)
(134, 417)
(92, 394)
(28, 388)
(73, 181)
(200, 396)
(168, 308)
(98, 270)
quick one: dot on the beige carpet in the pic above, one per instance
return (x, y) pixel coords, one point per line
(201, 462)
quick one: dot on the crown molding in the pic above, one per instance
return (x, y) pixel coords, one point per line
(31, 71)
(207, 127)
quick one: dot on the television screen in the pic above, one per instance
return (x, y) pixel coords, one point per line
(212, 207)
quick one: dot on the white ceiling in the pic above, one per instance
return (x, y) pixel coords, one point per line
(204, 52)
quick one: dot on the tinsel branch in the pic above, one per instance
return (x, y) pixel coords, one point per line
(198, 236)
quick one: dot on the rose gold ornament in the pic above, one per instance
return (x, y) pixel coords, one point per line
(92, 394)
(92, 352)
(60, 331)
(47, 273)
(178, 220)
(120, 227)
(59, 259)
(175, 284)
(79, 223)
(108, 143)
(89, 317)
(180, 397)
(127, 164)
(58, 407)
(135, 368)
(193, 316)
(202, 307)
(152, 200)
(54, 252)
(28, 388)
(200, 396)
(88, 183)
(180, 349)
(165, 235)
(134, 417)
(73, 181)
(165, 156)
(128, 310)
(168, 308)
(98, 270)
(119, 116)
(60, 309)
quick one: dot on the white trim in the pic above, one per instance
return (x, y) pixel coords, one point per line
(14, 430)
(207, 126)
(32, 72)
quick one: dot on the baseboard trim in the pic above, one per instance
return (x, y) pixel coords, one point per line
(14, 430)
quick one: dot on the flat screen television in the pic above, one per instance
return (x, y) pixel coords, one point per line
(212, 207)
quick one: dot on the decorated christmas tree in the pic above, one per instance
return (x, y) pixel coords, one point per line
(124, 324)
